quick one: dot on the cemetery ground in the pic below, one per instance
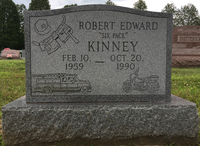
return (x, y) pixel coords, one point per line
(185, 83)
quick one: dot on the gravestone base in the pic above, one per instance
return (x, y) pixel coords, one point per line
(105, 124)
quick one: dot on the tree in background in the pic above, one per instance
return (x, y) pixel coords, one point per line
(186, 15)
(171, 8)
(70, 5)
(39, 5)
(21, 8)
(109, 2)
(140, 4)
(9, 25)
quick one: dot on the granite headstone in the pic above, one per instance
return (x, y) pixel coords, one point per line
(186, 37)
(186, 46)
(14, 54)
(86, 66)
(98, 55)
(23, 53)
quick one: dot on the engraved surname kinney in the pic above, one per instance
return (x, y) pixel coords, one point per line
(119, 46)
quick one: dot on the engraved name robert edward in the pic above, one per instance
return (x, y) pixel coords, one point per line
(99, 25)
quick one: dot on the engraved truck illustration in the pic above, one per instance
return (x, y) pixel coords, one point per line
(150, 84)
(48, 83)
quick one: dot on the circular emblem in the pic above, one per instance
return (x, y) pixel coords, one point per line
(41, 27)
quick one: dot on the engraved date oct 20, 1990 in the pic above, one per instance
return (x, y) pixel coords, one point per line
(126, 62)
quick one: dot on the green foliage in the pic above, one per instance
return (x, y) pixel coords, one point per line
(1, 141)
(12, 80)
(9, 25)
(186, 15)
(39, 5)
(109, 2)
(21, 8)
(171, 8)
(186, 84)
(70, 5)
(140, 4)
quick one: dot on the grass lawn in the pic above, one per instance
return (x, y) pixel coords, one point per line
(185, 83)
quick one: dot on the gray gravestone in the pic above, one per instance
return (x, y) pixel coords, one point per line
(85, 68)
(23, 53)
(98, 55)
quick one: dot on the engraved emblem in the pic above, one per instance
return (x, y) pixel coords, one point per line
(41, 27)
(51, 44)
(150, 84)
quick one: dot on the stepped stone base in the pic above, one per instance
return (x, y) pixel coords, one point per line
(105, 124)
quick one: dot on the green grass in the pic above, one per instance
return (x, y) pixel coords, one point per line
(185, 84)
(12, 80)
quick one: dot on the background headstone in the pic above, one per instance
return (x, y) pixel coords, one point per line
(23, 53)
(15, 54)
(186, 46)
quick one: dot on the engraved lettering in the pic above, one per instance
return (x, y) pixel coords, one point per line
(88, 25)
(148, 24)
(64, 57)
(112, 46)
(105, 35)
(96, 25)
(134, 45)
(122, 26)
(112, 25)
(81, 25)
(90, 46)
(154, 25)
(125, 46)
(106, 26)
(135, 25)
(118, 35)
(139, 25)
(100, 25)
(142, 26)
(97, 46)
(105, 46)
(118, 58)
(128, 25)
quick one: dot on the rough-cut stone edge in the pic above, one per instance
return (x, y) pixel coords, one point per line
(177, 110)
(98, 98)
(186, 61)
